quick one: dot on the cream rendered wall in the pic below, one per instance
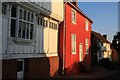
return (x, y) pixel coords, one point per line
(107, 53)
(57, 8)
(54, 6)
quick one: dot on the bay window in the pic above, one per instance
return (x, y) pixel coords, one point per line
(21, 23)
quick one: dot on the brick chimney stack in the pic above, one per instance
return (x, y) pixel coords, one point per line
(75, 2)
(105, 36)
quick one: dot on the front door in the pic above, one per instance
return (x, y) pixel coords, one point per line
(20, 69)
(80, 52)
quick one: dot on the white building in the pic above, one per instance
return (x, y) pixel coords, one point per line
(29, 38)
(101, 47)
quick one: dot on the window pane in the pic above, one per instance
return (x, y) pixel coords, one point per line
(31, 17)
(27, 33)
(12, 28)
(87, 48)
(73, 42)
(73, 16)
(20, 16)
(28, 18)
(13, 12)
(20, 29)
(49, 24)
(52, 26)
(19, 66)
(41, 21)
(23, 30)
(38, 22)
(4, 8)
(86, 25)
(46, 23)
(31, 31)
(24, 17)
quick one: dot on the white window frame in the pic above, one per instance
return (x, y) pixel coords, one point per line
(29, 24)
(87, 46)
(73, 44)
(86, 25)
(73, 16)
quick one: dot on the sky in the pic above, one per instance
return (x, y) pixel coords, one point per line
(104, 16)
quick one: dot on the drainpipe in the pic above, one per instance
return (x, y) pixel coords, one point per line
(64, 40)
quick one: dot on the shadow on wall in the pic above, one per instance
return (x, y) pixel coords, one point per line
(79, 67)
(41, 67)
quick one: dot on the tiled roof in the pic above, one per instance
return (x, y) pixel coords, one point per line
(100, 37)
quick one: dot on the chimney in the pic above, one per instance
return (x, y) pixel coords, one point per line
(105, 36)
(75, 2)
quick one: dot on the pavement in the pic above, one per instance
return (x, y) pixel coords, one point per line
(97, 72)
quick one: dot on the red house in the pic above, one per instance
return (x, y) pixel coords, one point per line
(74, 41)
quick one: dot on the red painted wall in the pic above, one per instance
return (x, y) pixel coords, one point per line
(72, 60)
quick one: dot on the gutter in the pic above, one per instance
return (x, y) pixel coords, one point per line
(64, 39)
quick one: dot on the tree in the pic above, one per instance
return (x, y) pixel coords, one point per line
(116, 42)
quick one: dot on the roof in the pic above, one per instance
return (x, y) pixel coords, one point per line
(100, 37)
(80, 11)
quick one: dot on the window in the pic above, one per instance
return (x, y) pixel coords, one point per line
(73, 43)
(86, 25)
(56, 26)
(49, 24)
(25, 26)
(46, 23)
(13, 11)
(41, 22)
(20, 66)
(4, 8)
(52, 25)
(13, 21)
(38, 21)
(87, 47)
(20, 14)
(73, 16)
(13, 27)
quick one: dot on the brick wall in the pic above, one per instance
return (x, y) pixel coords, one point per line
(41, 67)
(9, 69)
(35, 68)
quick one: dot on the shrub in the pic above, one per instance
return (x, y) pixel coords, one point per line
(105, 62)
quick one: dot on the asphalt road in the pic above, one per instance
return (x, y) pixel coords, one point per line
(113, 77)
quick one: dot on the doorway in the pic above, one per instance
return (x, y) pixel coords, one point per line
(80, 52)
(20, 69)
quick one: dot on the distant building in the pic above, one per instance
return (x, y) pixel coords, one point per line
(101, 47)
